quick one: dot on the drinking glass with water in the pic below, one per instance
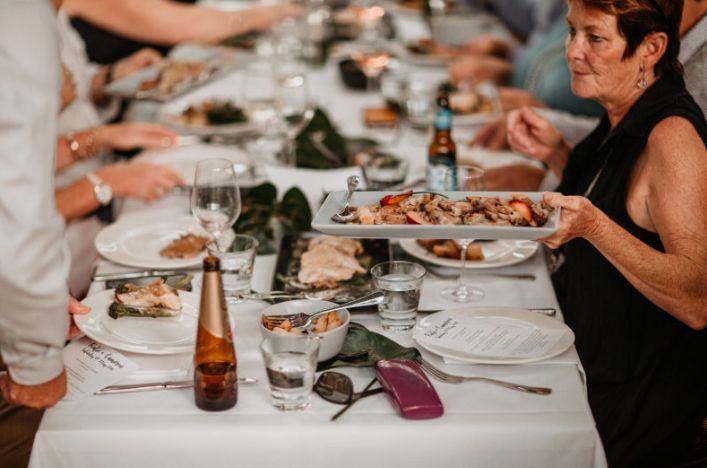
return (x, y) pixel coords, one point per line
(290, 363)
(400, 282)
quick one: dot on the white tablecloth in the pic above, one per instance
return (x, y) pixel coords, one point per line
(483, 425)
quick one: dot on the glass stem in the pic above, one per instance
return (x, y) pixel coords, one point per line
(291, 152)
(464, 244)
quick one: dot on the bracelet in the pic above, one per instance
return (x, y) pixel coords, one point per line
(75, 145)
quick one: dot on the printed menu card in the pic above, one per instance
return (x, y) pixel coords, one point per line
(490, 337)
(91, 366)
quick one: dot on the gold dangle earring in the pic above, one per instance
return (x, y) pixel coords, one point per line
(642, 83)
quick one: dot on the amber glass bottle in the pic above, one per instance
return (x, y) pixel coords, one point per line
(442, 154)
(215, 377)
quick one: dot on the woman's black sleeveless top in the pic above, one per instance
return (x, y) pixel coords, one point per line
(646, 371)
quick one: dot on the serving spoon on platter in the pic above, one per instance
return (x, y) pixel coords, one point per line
(346, 215)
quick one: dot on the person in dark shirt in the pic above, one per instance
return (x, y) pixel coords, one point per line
(632, 280)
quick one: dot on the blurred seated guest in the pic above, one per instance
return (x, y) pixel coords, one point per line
(84, 146)
(632, 279)
(492, 57)
(538, 77)
(114, 29)
(693, 56)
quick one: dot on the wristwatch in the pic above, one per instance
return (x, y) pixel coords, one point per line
(103, 192)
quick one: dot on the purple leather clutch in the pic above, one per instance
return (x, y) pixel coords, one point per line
(410, 391)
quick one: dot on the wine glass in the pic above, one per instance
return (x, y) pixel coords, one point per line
(215, 198)
(466, 179)
(259, 96)
(371, 53)
(294, 107)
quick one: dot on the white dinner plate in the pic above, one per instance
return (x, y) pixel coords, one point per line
(322, 221)
(491, 317)
(137, 241)
(163, 335)
(170, 116)
(184, 159)
(497, 253)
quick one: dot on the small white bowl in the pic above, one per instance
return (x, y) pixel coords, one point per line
(330, 341)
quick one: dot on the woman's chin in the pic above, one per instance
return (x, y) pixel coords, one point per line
(583, 90)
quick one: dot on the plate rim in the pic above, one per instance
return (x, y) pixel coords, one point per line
(561, 347)
(407, 245)
(124, 224)
(82, 322)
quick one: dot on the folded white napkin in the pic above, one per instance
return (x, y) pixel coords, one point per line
(314, 183)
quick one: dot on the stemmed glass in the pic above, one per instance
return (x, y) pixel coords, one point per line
(467, 179)
(294, 107)
(215, 198)
(371, 54)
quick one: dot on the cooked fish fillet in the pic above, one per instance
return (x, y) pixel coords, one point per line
(348, 246)
(155, 294)
(324, 263)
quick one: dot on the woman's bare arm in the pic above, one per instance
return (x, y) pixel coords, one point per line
(676, 281)
(168, 23)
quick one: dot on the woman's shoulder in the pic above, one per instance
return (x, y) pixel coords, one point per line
(675, 142)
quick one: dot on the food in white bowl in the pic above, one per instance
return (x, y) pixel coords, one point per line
(331, 340)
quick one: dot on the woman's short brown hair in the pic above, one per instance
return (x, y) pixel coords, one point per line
(637, 19)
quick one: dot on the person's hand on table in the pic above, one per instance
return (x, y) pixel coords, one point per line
(493, 136)
(475, 69)
(514, 177)
(131, 135)
(75, 308)
(143, 58)
(578, 218)
(488, 45)
(144, 180)
(514, 98)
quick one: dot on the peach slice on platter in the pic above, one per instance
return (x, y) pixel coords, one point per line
(522, 208)
(395, 199)
(415, 217)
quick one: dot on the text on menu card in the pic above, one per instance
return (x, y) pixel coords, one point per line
(90, 366)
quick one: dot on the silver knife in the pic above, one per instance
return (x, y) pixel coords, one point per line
(147, 387)
(138, 274)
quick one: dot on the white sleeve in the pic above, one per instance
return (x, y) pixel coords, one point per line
(574, 128)
(33, 260)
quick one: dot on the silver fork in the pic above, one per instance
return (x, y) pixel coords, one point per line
(442, 376)
(303, 320)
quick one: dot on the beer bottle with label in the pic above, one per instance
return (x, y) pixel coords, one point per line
(215, 378)
(442, 153)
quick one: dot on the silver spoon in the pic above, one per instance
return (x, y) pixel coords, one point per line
(346, 215)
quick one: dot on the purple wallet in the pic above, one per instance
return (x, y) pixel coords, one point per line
(410, 391)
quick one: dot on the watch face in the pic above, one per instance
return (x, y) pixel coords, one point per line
(104, 194)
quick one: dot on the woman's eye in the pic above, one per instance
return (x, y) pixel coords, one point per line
(594, 38)
(572, 31)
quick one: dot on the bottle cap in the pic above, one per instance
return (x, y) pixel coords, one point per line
(212, 264)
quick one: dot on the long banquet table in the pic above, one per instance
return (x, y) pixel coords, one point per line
(483, 425)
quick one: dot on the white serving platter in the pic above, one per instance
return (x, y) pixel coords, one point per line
(335, 201)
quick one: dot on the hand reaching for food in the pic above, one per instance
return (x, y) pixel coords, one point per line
(126, 136)
(143, 58)
(140, 179)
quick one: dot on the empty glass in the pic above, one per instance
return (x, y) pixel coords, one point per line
(290, 363)
(236, 264)
(294, 107)
(465, 179)
(400, 282)
(215, 198)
